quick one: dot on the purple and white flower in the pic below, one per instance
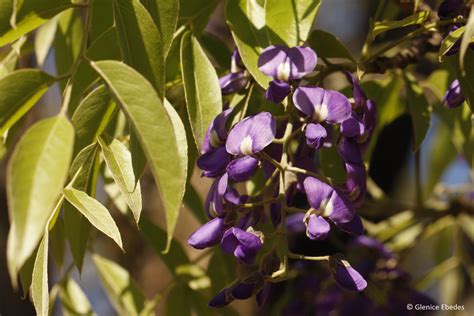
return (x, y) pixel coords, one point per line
(454, 96)
(238, 77)
(285, 64)
(345, 275)
(243, 244)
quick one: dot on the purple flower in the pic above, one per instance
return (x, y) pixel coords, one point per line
(285, 64)
(208, 235)
(237, 79)
(346, 276)
(327, 201)
(214, 204)
(214, 162)
(357, 93)
(322, 105)
(216, 133)
(356, 183)
(350, 151)
(244, 245)
(317, 228)
(242, 169)
(454, 96)
(316, 135)
(221, 299)
(251, 135)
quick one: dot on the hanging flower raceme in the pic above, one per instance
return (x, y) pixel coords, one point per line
(321, 107)
(284, 65)
(454, 96)
(238, 77)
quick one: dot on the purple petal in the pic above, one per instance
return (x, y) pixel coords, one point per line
(277, 91)
(251, 135)
(233, 82)
(236, 64)
(220, 300)
(208, 235)
(214, 203)
(339, 208)
(242, 169)
(232, 196)
(357, 92)
(350, 151)
(345, 275)
(271, 58)
(352, 127)
(295, 223)
(317, 228)
(303, 60)
(315, 135)
(244, 245)
(356, 183)
(454, 96)
(354, 227)
(214, 162)
(243, 291)
(322, 105)
(317, 192)
(216, 133)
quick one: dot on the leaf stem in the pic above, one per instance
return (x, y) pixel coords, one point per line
(309, 258)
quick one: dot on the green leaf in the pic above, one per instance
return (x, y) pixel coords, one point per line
(31, 14)
(194, 203)
(246, 19)
(156, 237)
(92, 116)
(95, 212)
(415, 19)
(165, 14)
(466, 39)
(102, 18)
(73, 299)
(160, 132)
(420, 110)
(35, 177)
(216, 49)
(139, 161)
(449, 41)
(68, 41)
(119, 160)
(19, 92)
(201, 86)
(121, 289)
(39, 284)
(327, 45)
(57, 242)
(104, 47)
(140, 41)
(289, 21)
(44, 39)
(174, 301)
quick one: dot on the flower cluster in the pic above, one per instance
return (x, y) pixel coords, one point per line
(286, 151)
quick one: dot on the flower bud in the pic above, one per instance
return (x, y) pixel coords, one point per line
(454, 96)
(208, 235)
(346, 276)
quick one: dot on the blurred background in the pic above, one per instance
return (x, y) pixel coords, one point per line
(392, 169)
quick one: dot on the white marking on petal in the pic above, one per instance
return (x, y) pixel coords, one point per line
(234, 67)
(246, 146)
(283, 71)
(214, 139)
(320, 112)
(257, 233)
(326, 208)
(212, 209)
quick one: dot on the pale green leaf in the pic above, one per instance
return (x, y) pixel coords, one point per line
(415, 19)
(420, 110)
(92, 116)
(44, 39)
(449, 41)
(140, 41)
(121, 289)
(35, 177)
(95, 212)
(159, 130)
(73, 299)
(327, 45)
(201, 87)
(246, 19)
(165, 14)
(119, 160)
(39, 284)
(30, 15)
(19, 92)
(68, 41)
(289, 21)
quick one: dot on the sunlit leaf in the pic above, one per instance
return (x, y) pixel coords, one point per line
(466, 39)
(95, 212)
(201, 86)
(39, 283)
(383, 26)
(44, 39)
(35, 177)
(73, 299)
(19, 92)
(30, 15)
(289, 21)
(246, 19)
(450, 40)
(68, 41)
(119, 161)
(121, 289)
(159, 129)
(140, 41)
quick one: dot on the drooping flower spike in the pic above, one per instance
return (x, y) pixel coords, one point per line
(285, 64)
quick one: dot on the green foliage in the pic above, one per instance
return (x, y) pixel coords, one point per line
(327, 45)
(384, 26)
